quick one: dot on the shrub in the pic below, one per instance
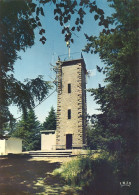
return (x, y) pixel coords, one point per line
(76, 171)
(94, 175)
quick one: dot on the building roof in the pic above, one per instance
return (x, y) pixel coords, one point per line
(47, 131)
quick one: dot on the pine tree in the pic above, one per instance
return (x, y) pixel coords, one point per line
(28, 129)
(117, 124)
(50, 121)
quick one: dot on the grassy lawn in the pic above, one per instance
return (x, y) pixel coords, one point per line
(20, 175)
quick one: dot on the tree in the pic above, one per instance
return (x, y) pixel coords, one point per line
(117, 46)
(118, 99)
(16, 33)
(50, 121)
(18, 19)
(29, 130)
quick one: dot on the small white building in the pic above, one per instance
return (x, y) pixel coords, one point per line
(10, 145)
(48, 140)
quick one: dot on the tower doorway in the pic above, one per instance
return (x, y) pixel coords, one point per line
(68, 141)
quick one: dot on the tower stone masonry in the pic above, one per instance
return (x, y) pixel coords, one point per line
(71, 104)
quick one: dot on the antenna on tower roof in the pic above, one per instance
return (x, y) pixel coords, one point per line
(68, 45)
(68, 42)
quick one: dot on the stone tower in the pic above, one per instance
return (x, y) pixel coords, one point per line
(71, 105)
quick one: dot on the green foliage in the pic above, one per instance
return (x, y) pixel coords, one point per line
(76, 172)
(94, 138)
(50, 121)
(11, 32)
(97, 174)
(94, 175)
(65, 11)
(28, 129)
(104, 181)
(18, 19)
(16, 33)
(118, 123)
(29, 92)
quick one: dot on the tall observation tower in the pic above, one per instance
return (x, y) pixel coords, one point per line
(71, 104)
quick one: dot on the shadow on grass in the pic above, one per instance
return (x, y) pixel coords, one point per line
(25, 176)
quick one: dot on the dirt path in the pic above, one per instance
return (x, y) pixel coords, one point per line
(31, 176)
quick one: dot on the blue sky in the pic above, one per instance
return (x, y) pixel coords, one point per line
(36, 60)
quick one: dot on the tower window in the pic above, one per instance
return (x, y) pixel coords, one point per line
(69, 114)
(69, 88)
